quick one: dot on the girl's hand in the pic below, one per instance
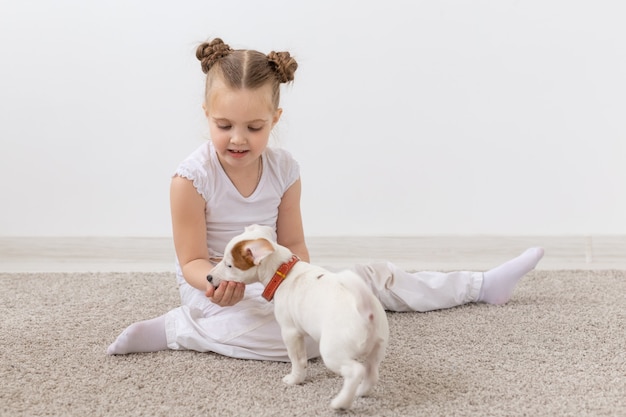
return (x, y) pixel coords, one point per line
(228, 293)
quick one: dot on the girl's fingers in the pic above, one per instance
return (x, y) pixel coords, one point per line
(228, 293)
(210, 291)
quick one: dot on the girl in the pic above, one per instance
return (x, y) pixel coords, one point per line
(236, 180)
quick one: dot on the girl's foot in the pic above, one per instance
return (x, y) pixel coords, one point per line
(143, 336)
(499, 282)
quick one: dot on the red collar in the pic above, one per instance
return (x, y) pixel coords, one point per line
(279, 277)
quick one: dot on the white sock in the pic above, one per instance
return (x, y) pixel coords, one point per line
(499, 282)
(143, 336)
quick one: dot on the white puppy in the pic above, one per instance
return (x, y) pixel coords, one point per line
(337, 310)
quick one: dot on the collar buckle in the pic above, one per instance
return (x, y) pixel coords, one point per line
(278, 278)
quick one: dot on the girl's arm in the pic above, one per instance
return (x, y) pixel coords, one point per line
(289, 224)
(189, 230)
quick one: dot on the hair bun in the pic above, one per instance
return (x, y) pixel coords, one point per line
(283, 64)
(208, 53)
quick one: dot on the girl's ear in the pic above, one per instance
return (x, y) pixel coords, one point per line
(206, 112)
(277, 115)
(258, 249)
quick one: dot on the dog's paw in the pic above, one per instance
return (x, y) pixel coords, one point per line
(292, 379)
(364, 390)
(341, 403)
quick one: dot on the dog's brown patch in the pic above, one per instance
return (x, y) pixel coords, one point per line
(242, 257)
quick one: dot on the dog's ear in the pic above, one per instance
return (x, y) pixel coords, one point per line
(249, 253)
(258, 249)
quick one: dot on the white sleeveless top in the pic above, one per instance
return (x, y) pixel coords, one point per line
(227, 211)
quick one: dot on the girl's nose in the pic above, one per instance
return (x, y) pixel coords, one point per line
(238, 138)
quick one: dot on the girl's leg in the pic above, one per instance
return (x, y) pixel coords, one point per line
(399, 290)
(250, 333)
(143, 336)
(247, 330)
(186, 329)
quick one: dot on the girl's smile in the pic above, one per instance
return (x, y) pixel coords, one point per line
(237, 154)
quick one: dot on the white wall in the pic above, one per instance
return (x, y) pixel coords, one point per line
(409, 118)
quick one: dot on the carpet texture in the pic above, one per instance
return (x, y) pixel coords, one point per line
(557, 349)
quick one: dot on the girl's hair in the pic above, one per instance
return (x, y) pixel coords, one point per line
(245, 68)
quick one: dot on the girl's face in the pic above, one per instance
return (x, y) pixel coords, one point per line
(240, 122)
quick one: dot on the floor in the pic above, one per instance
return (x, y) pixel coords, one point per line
(105, 254)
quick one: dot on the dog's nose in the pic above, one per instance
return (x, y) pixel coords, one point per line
(210, 279)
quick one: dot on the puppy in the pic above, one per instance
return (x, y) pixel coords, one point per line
(337, 310)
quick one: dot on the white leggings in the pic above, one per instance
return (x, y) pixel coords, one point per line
(249, 330)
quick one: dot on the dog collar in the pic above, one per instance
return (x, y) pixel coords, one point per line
(279, 277)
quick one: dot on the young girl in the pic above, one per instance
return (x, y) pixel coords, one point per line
(236, 180)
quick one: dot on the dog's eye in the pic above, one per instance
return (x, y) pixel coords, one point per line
(228, 266)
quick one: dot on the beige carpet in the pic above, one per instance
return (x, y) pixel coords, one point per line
(558, 349)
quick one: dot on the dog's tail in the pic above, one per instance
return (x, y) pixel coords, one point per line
(366, 305)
